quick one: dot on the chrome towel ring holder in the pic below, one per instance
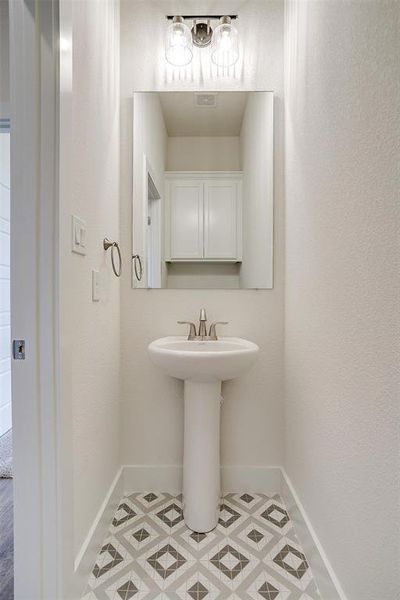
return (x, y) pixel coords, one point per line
(114, 246)
(137, 261)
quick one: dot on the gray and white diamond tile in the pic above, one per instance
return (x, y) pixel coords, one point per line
(150, 502)
(166, 563)
(112, 559)
(198, 586)
(273, 513)
(255, 534)
(142, 533)
(230, 563)
(126, 587)
(247, 503)
(198, 543)
(125, 516)
(150, 554)
(169, 516)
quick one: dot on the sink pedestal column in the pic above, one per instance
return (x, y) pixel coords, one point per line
(201, 455)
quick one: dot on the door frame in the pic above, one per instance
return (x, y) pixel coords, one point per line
(38, 431)
(156, 215)
(5, 407)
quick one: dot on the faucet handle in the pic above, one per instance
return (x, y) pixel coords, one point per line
(203, 315)
(192, 330)
(213, 331)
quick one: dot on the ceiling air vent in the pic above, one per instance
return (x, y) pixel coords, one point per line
(205, 100)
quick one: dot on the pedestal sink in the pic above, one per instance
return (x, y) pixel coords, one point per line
(203, 365)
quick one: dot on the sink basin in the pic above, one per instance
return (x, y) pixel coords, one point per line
(203, 365)
(225, 358)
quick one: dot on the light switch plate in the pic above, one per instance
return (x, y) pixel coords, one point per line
(96, 286)
(78, 235)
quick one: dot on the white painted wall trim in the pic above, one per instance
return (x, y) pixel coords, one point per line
(322, 570)
(34, 45)
(65, 416)
(5, 311)
(91, 546)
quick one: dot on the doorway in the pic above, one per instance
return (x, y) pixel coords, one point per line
(33, 43)
(6, 484)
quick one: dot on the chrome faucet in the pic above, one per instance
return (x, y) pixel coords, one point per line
(192, 331)
(212, 334)
(203, 324)
(202, 335)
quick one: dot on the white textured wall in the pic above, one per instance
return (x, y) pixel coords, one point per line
(342, 248)
(203, 153)
(152, 402)
(90, 332)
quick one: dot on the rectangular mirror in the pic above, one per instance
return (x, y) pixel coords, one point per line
(202, 190)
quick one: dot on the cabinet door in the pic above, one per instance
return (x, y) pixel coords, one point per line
(220, 219)
(186, 219)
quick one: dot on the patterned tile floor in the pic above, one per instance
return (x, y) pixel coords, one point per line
(253, 554)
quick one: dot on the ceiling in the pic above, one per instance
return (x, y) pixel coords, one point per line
(184, 118)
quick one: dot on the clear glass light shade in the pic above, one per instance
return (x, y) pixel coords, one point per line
(225, 44)
(178, 43)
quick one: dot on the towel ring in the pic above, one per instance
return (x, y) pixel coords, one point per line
(136, 259)
(114, 245)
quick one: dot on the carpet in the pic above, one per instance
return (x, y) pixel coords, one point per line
(6, 454)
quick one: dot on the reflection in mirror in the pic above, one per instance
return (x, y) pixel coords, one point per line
(202, 190)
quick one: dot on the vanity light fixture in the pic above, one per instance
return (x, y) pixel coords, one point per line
(225, 44)
(178, 45)
(180, 39)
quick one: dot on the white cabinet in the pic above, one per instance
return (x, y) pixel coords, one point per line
(186, 219)
(203, 217)
(220, 219)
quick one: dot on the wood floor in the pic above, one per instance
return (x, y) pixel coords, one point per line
(6, 540)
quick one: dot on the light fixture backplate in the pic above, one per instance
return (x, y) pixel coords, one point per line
(201, 34)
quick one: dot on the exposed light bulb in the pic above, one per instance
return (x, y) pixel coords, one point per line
(178, 45)
(225, 44)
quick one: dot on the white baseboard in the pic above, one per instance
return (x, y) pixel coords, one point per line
(324, 575)
(84, 561)
(168, 478)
